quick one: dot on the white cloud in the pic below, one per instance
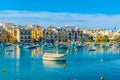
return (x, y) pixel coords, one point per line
(57, 19)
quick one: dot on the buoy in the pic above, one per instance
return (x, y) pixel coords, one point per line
(4, 70)
(102, 78)
(63, 65)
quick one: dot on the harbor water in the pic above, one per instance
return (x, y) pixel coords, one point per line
(81, 64)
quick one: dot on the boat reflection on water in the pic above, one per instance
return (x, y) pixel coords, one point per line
(54, 64)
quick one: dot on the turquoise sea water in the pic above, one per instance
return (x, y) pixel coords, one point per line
(81, 64)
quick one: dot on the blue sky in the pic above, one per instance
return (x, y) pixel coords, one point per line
(82, 13)
(72, 6)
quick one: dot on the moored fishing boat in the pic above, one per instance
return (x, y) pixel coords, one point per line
(32, 47)
(103, 45)
(48, 47)
(118, 45)
(54, 56)
(92, 49)
(62, 46)
(7, 44)
(79, 45)
(28, 46)
(96, 44)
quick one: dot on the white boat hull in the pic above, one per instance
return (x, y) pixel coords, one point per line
(54, 57)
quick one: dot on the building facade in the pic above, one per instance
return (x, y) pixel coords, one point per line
(7, 24)
(25, 35)
(74, 34)
(62, 35)
(50, 34)
(30, 33)
(37, 33)
(99, 33)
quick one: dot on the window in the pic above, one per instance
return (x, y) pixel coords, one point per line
(28, 33)
(29, 37)
(75, 37)
(55, 36)
(29, 40)
(25, 40)
(51, 33)
(75, 33)
(21, 32)
(69, 37)
(24, 36)
(21, 36)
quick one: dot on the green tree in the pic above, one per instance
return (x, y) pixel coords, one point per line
(98, 40)
(81, 39)
(105, 39)
(117, 39)
(102, 39)
(90, 39)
